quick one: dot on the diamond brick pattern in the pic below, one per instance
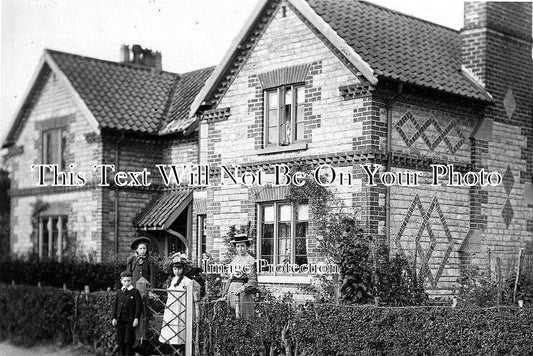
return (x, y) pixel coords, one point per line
(426, 254)
(398, 46)
(507, 213)
(509, 103)
(430, 132)
(129, 97)
(508, 180)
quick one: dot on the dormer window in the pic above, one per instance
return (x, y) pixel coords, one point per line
(284, 115)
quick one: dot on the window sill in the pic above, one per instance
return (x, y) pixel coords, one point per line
(284, 279)
(298, 146)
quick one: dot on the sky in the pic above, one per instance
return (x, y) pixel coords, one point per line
(190, 34)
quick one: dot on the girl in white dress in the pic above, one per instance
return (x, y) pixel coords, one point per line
(173, 329)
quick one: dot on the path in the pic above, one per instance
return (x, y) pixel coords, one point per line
(43, 350)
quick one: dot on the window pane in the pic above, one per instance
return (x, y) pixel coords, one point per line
(285, 212)
(284, 250)
(63, 134)
(299, 135)
(268, 231)
(268, 213)
(301, 229)
(51, 149)
(267, 247)
(272, 119)
(268, 258)
(302, 212)
(301, 247)
(300, 95)
(46, 237)
(301, 260)
(273, 135)
(286, 125)
(288, 96)
(273, 99)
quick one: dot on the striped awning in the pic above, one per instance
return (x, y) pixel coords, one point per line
(163, 211)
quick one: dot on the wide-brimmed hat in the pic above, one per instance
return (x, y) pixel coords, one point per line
(178, 259)
(138, 240)
(241, 238)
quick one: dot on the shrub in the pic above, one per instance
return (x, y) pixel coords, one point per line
(75, 274)
(314, 330)
(31, 315)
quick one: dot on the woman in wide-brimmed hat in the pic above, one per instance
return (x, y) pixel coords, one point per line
(241, 286)
(173, 329)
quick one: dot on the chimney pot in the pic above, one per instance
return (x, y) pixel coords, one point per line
(158, 63)
(137, 52)
(125, 53)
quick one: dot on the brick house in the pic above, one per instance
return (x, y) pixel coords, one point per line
(317, 82)
(82, 111)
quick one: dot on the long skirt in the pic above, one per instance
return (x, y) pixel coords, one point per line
(242, 303)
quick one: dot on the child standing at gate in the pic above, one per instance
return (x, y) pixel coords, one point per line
(126, 314)
(173, 328)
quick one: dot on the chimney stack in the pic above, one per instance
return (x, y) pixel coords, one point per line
(125, 53)
(141, 56)
(496, 47)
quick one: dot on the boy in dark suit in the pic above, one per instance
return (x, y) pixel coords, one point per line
(126, 313)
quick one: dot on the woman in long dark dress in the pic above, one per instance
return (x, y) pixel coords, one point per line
(241, 286)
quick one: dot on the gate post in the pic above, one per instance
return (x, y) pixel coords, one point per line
(189, 315)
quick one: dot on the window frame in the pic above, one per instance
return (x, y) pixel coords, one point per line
(62, 235)
(281, 93)
(44, 147)
(201, 220)
(276, 221)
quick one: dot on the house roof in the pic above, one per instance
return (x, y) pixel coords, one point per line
(163, 211)
(378, 41)
(187, 88)
(400, 47)
(120, 96)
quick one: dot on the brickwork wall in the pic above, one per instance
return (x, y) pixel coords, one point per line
(54, 101)
(181, 151)
(498, 50)
(83, 226)
(432, 130)
(84, 221)
(430, 223)
(329, 119)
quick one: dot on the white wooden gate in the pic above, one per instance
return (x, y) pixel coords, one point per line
(171, 320)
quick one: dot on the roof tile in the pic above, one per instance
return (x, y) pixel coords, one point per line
(131, 97)
(399, 46)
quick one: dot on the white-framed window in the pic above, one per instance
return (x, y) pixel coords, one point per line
(52, 236)
(283, 230)
(284, 115)
(52, 147)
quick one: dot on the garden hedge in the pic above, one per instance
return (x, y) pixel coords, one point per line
(31, 314)
(74, 274)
